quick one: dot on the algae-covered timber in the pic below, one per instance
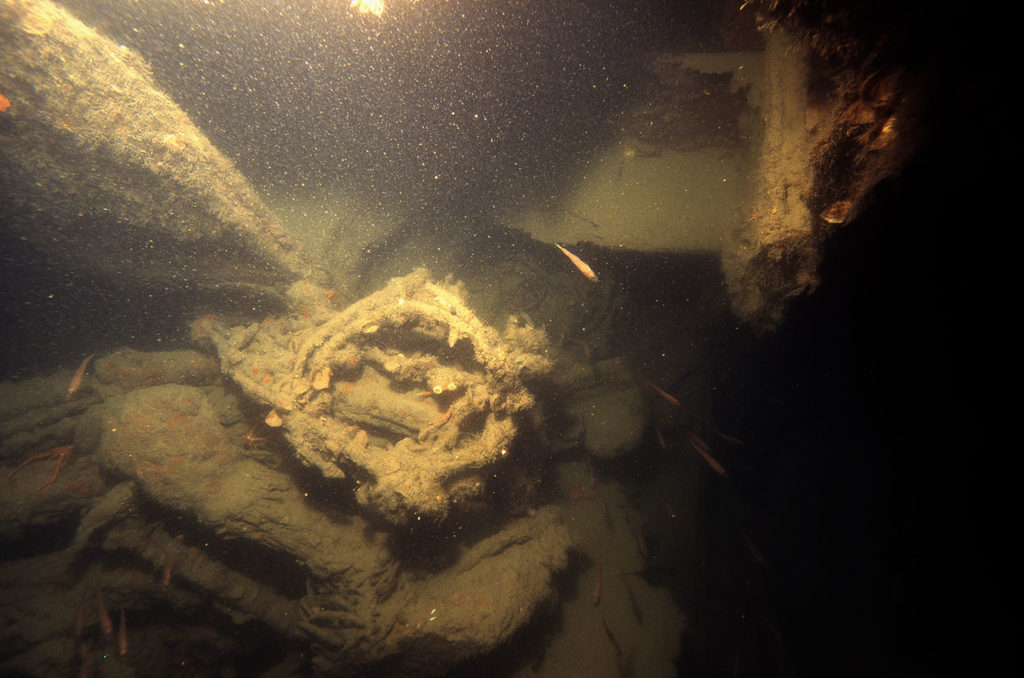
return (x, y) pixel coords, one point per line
(104, 172)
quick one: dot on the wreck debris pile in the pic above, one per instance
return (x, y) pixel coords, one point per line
(178, 521)
(406, 391)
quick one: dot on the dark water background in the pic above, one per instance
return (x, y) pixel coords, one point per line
(453, 112)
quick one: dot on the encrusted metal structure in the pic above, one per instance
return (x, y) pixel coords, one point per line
(406, 391)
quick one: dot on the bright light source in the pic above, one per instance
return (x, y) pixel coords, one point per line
(374, 7)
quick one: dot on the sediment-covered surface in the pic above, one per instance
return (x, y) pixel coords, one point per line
(169, 507)
(103, 171)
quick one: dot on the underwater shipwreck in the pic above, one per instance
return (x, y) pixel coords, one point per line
(391, 477)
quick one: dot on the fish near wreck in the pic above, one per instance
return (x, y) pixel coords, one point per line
(664, 394)
(611, 638)
(122, 637)
(704, 450)
(581, 265)
(101, 611)
(80, 618)
(76, 381)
